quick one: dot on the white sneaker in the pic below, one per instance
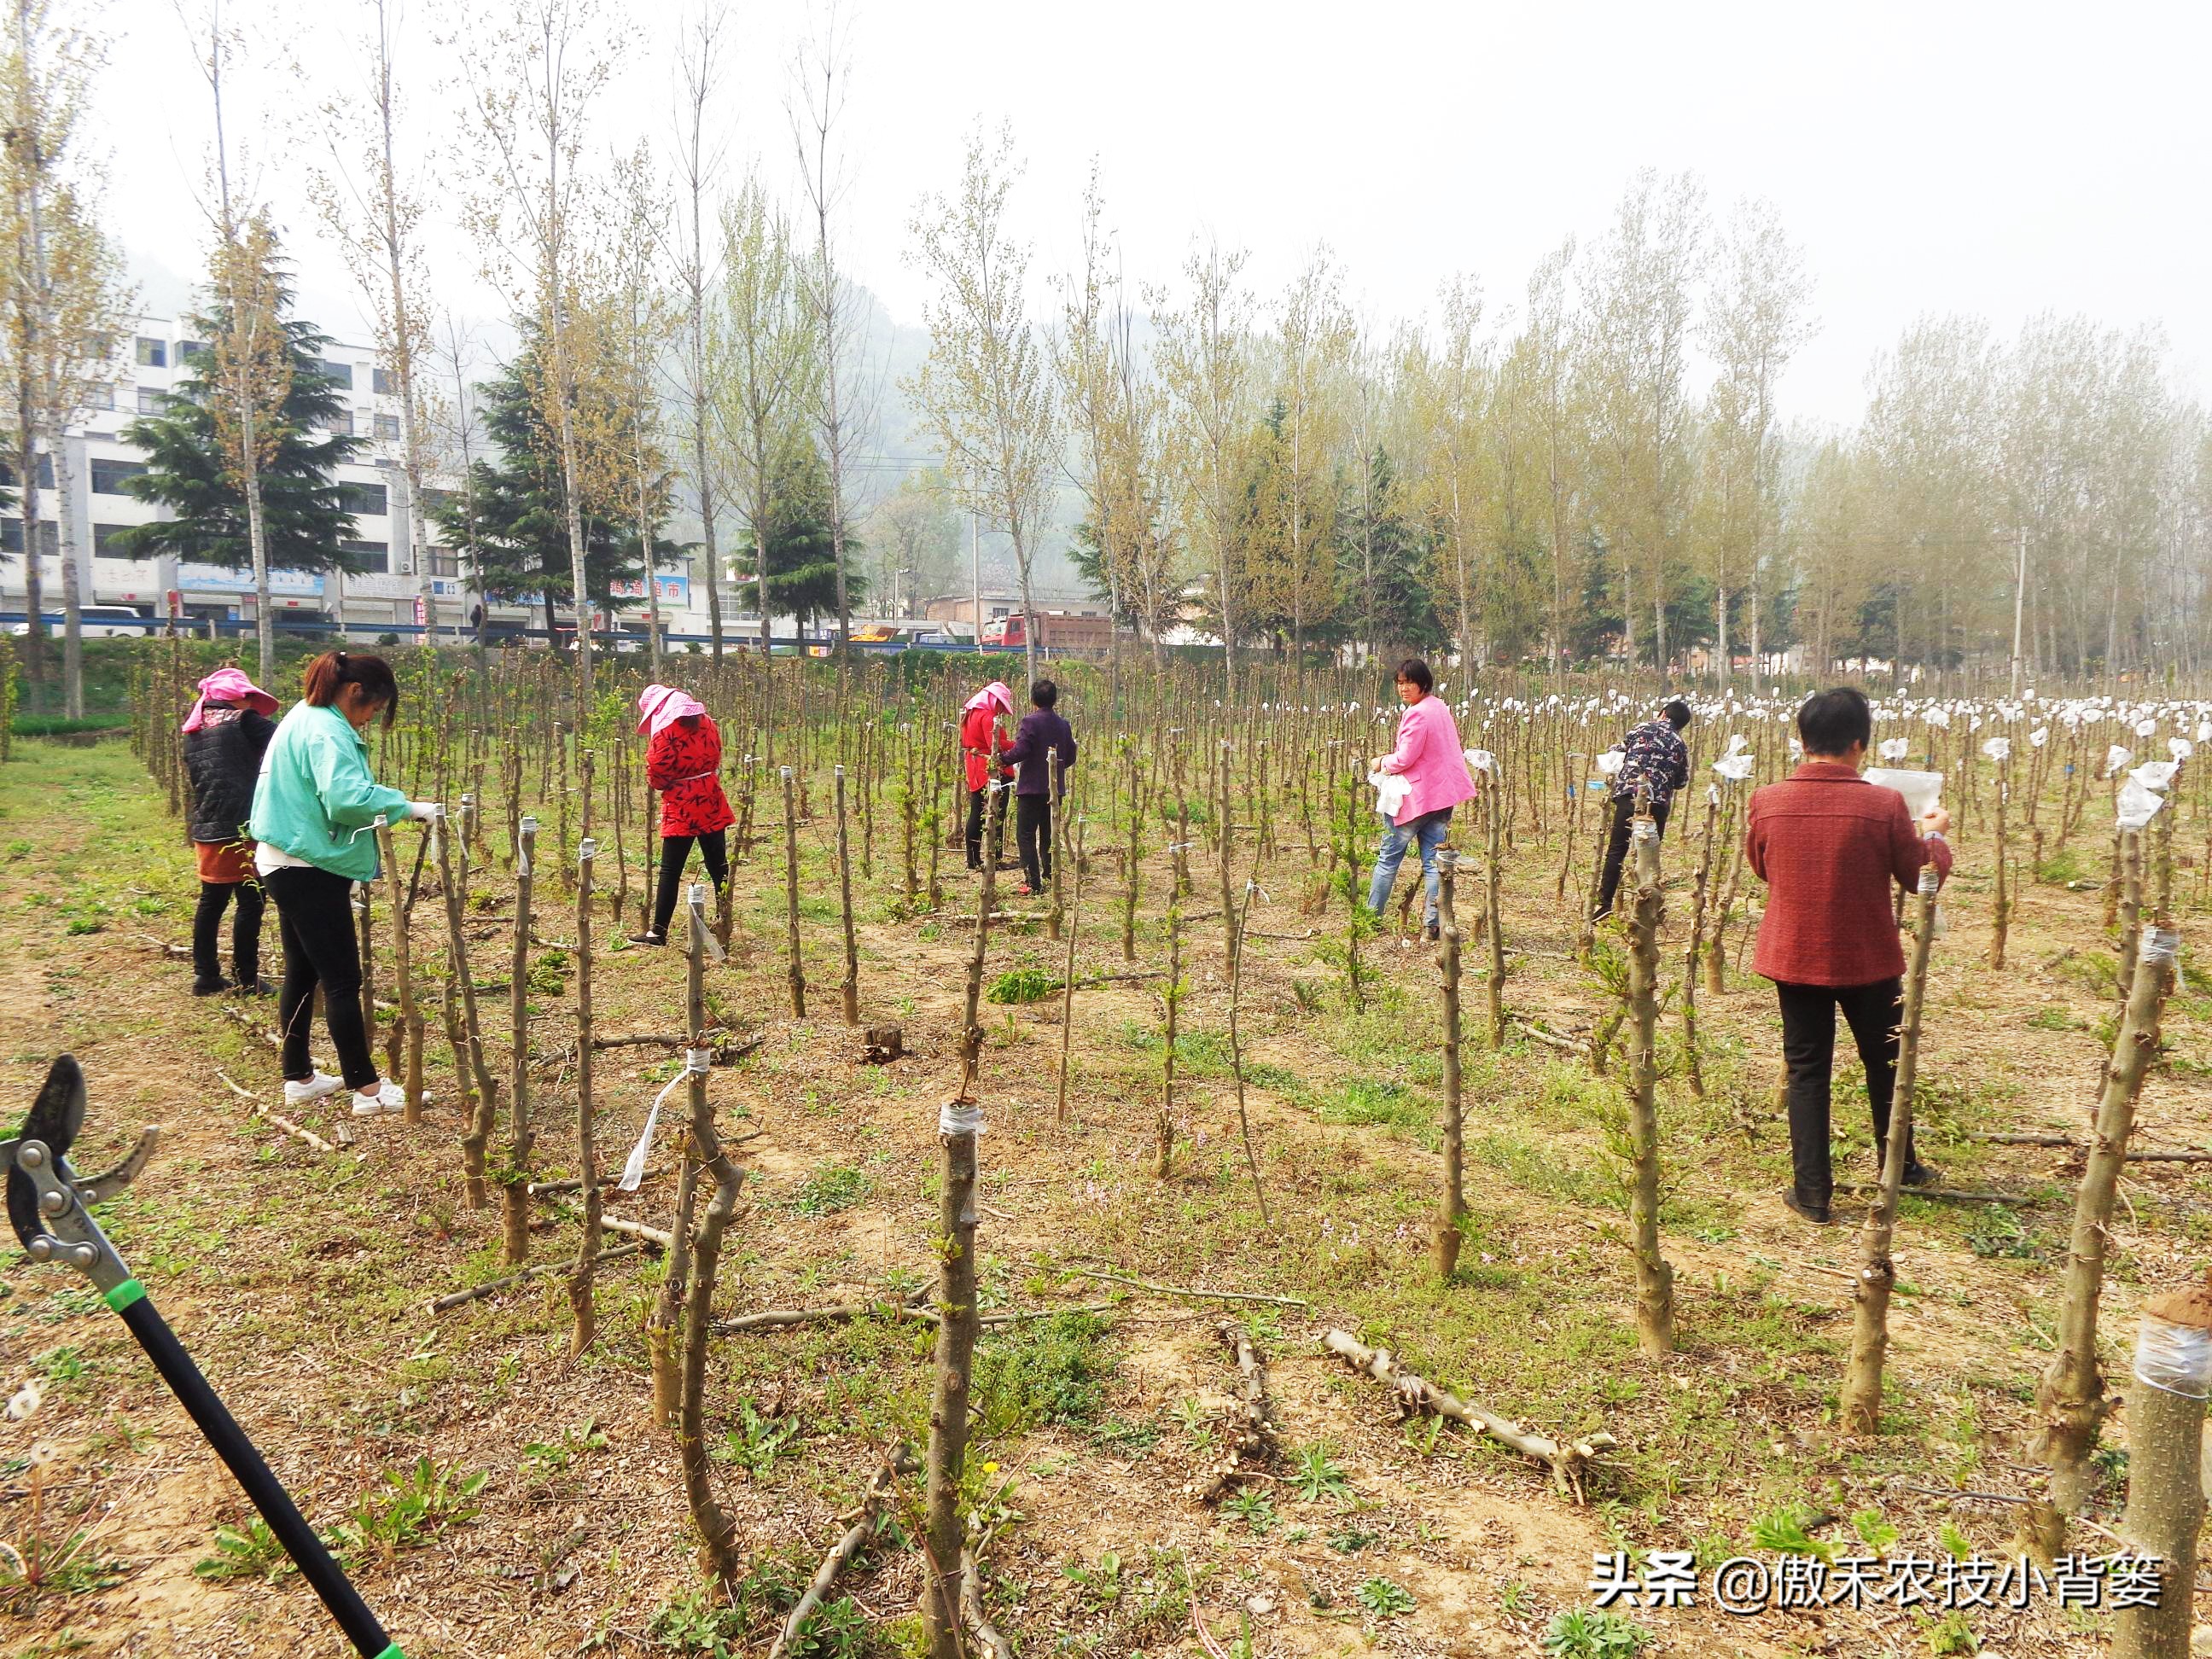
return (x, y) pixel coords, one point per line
(316, 1085)
(385, 1099)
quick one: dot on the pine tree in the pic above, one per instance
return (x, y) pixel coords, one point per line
(802, 555)
(521, 510)
(192, 471)
(1391, 601)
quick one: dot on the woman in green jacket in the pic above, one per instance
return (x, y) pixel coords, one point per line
(315, 811)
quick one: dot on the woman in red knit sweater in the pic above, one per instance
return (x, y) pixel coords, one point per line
(683, 762)
(1831, 848)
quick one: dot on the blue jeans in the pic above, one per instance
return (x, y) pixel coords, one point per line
(1430, 830)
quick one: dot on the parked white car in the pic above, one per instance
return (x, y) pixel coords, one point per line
(101, 622)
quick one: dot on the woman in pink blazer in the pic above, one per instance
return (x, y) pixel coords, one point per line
(1429, 759)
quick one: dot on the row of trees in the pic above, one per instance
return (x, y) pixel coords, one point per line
(1555, 484)
(1601, 466)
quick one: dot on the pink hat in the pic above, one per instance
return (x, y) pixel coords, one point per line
(229, 685)
(996, 692)
(660, 707)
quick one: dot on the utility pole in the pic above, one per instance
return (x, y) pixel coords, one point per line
(2018, 604)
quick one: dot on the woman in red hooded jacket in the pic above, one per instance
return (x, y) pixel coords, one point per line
(982, 740)
(683, 762)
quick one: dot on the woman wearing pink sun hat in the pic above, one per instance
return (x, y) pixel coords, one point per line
(225, 737)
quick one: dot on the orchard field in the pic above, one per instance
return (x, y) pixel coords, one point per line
(1226, 1136)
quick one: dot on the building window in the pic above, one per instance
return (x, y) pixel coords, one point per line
(435, 501)
(46, 473)
(100, 395)
(370, 558)
(152, 400)
(363, 501)
(340, 374)
(11, 536)
(152, 353)
(384, 382)
(107, 475)
(104, 544)
(444, 561)
(387, 428)
(189, 349)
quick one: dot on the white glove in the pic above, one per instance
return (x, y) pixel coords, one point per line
(424, 810)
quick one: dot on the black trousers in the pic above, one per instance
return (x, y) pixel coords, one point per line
(1616, 848)
(976, 798)
(1808, 1050)
(1033, 836)
(245, 932)
(314, 919)
(675, 854)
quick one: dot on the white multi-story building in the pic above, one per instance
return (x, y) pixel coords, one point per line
(381, 597)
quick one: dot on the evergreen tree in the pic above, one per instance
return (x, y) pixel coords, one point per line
(802, 557)
(193, 472)
(521, 502)
(1377, 541)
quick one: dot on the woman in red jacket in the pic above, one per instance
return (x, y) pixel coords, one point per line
(1831, 848)
(683, 762)
(982, 739)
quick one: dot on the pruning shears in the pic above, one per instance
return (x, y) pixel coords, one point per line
(48, 1204)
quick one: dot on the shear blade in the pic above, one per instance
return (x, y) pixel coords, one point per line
(58, 1112)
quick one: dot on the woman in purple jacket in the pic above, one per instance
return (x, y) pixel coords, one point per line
(1429, 759)
(1034, 793)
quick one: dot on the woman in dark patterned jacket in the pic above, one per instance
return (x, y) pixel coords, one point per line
(683, 761)
(226, 735)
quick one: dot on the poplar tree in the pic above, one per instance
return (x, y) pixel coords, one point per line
(984, 388)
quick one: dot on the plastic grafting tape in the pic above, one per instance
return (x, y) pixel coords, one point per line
(2159, 944)
(698, 1060)
(2174, 1359)
(1642, 830)
(837, 773)
(587, 850)
(786, 773)
(960, 1117)
(1930, 881)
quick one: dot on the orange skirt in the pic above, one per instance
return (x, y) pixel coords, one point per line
(225, 863)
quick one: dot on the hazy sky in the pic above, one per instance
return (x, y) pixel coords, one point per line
(1998, 159)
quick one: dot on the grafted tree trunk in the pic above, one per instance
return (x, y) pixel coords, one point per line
(2071, 1400)
(1877, 1274)
(942, 1579)
(1446, 1238)
(1655, 1278)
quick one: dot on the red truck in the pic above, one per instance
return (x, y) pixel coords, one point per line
(1056, 630)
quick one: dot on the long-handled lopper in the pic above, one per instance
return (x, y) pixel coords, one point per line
(47, 1204)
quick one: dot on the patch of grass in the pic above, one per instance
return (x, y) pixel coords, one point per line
(247, 1551)
(2062, 866)
(1540, 1170)
(409, 1509)
(1994, 1232)
(1048, 1371)
(1364, 1102)
(42, 1567)
(832, 1188)
(1019, 985)
(757, 1441)
(1593, 1633)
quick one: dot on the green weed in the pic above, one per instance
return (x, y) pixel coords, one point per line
(247, 1551)
(1593, 1633)
(1384, 1600)
(832, 1188)
(1049, 1371)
